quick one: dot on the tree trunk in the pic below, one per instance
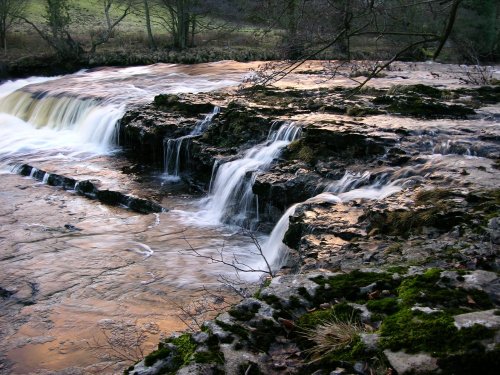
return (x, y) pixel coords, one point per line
(449, 27)
(183, 22)
(3, 38)
(347, 26)
(193, 29)
(293, 47)
(151, 40)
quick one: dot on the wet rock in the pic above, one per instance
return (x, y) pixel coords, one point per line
(285, 289)
(4, 293)
(110, 197)
(86, 188)
(486, 318)
(66, 183)
(237, 125)
(198, 369)
(174, 103)
(71, 228)
(411, 363)
(494, 229)
(90, 190)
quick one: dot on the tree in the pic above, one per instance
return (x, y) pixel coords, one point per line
(477, 28)
(449, 27)
(181, 19)
(402, 28)
(103, 36)
(56, 29)
(10, 12)
(151, 40)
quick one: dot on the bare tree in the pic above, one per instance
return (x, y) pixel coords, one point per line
(449, 27)
(232, 260)
(10, 12)
(387, 23)
(124, 7)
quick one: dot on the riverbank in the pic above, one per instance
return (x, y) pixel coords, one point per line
(51, 65)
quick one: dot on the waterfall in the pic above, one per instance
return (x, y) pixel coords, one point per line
(45, 121)
(174, 150)
(231, 199)
(77, 114)
(343, 190)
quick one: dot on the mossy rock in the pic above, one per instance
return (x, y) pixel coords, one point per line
(433, 208)
(244, 312)
(179, 351)
(418, 89)
(358, 111)
(173, 103)
(429, 289)
(349, 286)
(435, 333)
(236, 125)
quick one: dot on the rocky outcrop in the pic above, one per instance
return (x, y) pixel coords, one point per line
(91, 190)
(396, 241)
(410, 320)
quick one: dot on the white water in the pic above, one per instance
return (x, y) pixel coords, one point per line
(77, 115)
(173, 148)
(231, 198)
(341, 191)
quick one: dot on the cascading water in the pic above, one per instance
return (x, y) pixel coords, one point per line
(350, 186)
(174, 150)
(78, 113)
(231, 199)
(61, 125)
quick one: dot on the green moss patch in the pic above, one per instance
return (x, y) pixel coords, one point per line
(426, 290)
(182, 354)
(348, 286)
(387, 305)
(435, 333)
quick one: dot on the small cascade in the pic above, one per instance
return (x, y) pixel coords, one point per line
(85, 120)
(348, 182)
(177, 149)
(449, 147)
(231, 199)
(350, 186)
(202, 126)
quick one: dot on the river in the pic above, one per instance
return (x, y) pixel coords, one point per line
(73, 269)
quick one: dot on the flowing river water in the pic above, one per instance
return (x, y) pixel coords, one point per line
(71, 267)
(74, 273)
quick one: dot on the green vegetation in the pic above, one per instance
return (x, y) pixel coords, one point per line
(131, 32)
(349, 286)
(426, 290)
(434, 333)
(342, 312)
(180, 354)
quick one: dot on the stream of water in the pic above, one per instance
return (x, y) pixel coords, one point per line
(70, 265)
